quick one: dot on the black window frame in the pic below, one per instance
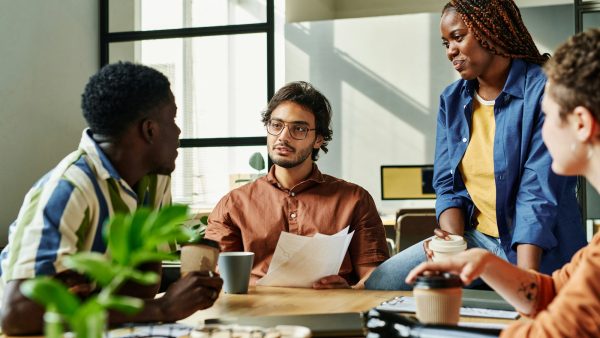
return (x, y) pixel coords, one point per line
(268, 27)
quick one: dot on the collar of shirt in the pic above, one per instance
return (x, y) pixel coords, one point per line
(515, 83)
(100, 161)
(313, 179)
(103, 166)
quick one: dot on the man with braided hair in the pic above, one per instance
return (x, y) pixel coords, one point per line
(492, 172)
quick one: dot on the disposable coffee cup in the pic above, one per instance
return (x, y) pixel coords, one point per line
(235, 268)
(438, 298)
(443, 249)
(200, 256)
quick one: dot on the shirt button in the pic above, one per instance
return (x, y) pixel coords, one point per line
(451, 171)
(293, 215)
(464, 139)
(465, 106)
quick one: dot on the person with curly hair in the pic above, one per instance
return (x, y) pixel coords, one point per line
(296, 197)
(566, 303)
(123, 162)
(492, 174)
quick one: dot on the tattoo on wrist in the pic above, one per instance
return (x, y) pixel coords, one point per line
(529, 290)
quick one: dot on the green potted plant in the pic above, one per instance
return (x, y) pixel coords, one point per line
(257, 162)
(132, 240)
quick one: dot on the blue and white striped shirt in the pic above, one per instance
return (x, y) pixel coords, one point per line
(64, 212)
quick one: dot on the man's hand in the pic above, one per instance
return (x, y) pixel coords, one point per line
(331, 282)
(195, 291)
(445, 235)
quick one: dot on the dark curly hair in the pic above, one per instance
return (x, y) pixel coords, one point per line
(498, 22)
(304, 94)
(574, 73)
(120, 94)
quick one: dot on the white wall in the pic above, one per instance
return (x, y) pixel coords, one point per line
(383, 76)
(48, 51)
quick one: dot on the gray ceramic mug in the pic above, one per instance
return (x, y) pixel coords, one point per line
(235, 268)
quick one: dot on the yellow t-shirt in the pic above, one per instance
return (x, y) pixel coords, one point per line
(477, 166)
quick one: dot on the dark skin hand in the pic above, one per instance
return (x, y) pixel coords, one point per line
(195, 291)
(452, 222)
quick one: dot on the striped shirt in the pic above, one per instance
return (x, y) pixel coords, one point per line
(65, 210)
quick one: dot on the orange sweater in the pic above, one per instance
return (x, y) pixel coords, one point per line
(568, 303)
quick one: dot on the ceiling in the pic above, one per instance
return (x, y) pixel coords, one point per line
(309, 10)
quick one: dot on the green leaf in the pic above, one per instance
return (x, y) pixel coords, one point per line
(145, 278)
(166, 226)
(138, 221)
(93, 264)
(138, 258)
(124, 304)
(118, 244)
(257, 161)
(204, 220)
(90, 320)
(51, 294)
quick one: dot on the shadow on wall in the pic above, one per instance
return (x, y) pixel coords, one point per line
(375, 121)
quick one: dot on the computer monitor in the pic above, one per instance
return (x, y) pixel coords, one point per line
(400, 182)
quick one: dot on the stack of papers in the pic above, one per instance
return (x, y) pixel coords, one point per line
(299, 261)
(407, 304)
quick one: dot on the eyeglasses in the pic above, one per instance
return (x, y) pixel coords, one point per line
(298, 131)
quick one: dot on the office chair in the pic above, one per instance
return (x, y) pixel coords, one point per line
(411, 228)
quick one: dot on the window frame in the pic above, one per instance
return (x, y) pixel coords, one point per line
(268, 27)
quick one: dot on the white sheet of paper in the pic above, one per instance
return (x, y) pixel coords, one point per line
(299, 261)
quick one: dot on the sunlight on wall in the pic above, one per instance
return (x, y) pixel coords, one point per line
(400, 56)
(372, 136)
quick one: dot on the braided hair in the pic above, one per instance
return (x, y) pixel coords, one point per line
(498, 22)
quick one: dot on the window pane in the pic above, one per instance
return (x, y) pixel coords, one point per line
(204, 175)
(591, 20)
(142, 15)
(219, 82)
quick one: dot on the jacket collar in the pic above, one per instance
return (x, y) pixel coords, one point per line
(515, 83)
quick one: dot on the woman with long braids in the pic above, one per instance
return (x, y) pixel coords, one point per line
(492, 172)
(567, 303)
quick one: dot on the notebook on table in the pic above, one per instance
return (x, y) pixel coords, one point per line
(476, 303)
(347, 324)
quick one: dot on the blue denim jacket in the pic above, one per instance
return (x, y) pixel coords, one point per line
(533, 205)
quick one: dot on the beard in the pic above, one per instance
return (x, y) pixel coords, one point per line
(298, 158)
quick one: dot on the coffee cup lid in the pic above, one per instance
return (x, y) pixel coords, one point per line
(456, 243)
(442, 281)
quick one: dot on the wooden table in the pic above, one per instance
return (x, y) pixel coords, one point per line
(267, 301)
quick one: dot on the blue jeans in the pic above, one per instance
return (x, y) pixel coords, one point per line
(390, 274)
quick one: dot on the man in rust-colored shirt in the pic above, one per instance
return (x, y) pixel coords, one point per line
(296, 197)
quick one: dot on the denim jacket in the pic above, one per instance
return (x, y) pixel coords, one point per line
(533, 204)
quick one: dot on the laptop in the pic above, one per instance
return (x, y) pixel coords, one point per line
(485, 300)
(347, 324)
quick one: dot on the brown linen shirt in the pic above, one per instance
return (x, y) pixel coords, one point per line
(568, 302)
(252, 217)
